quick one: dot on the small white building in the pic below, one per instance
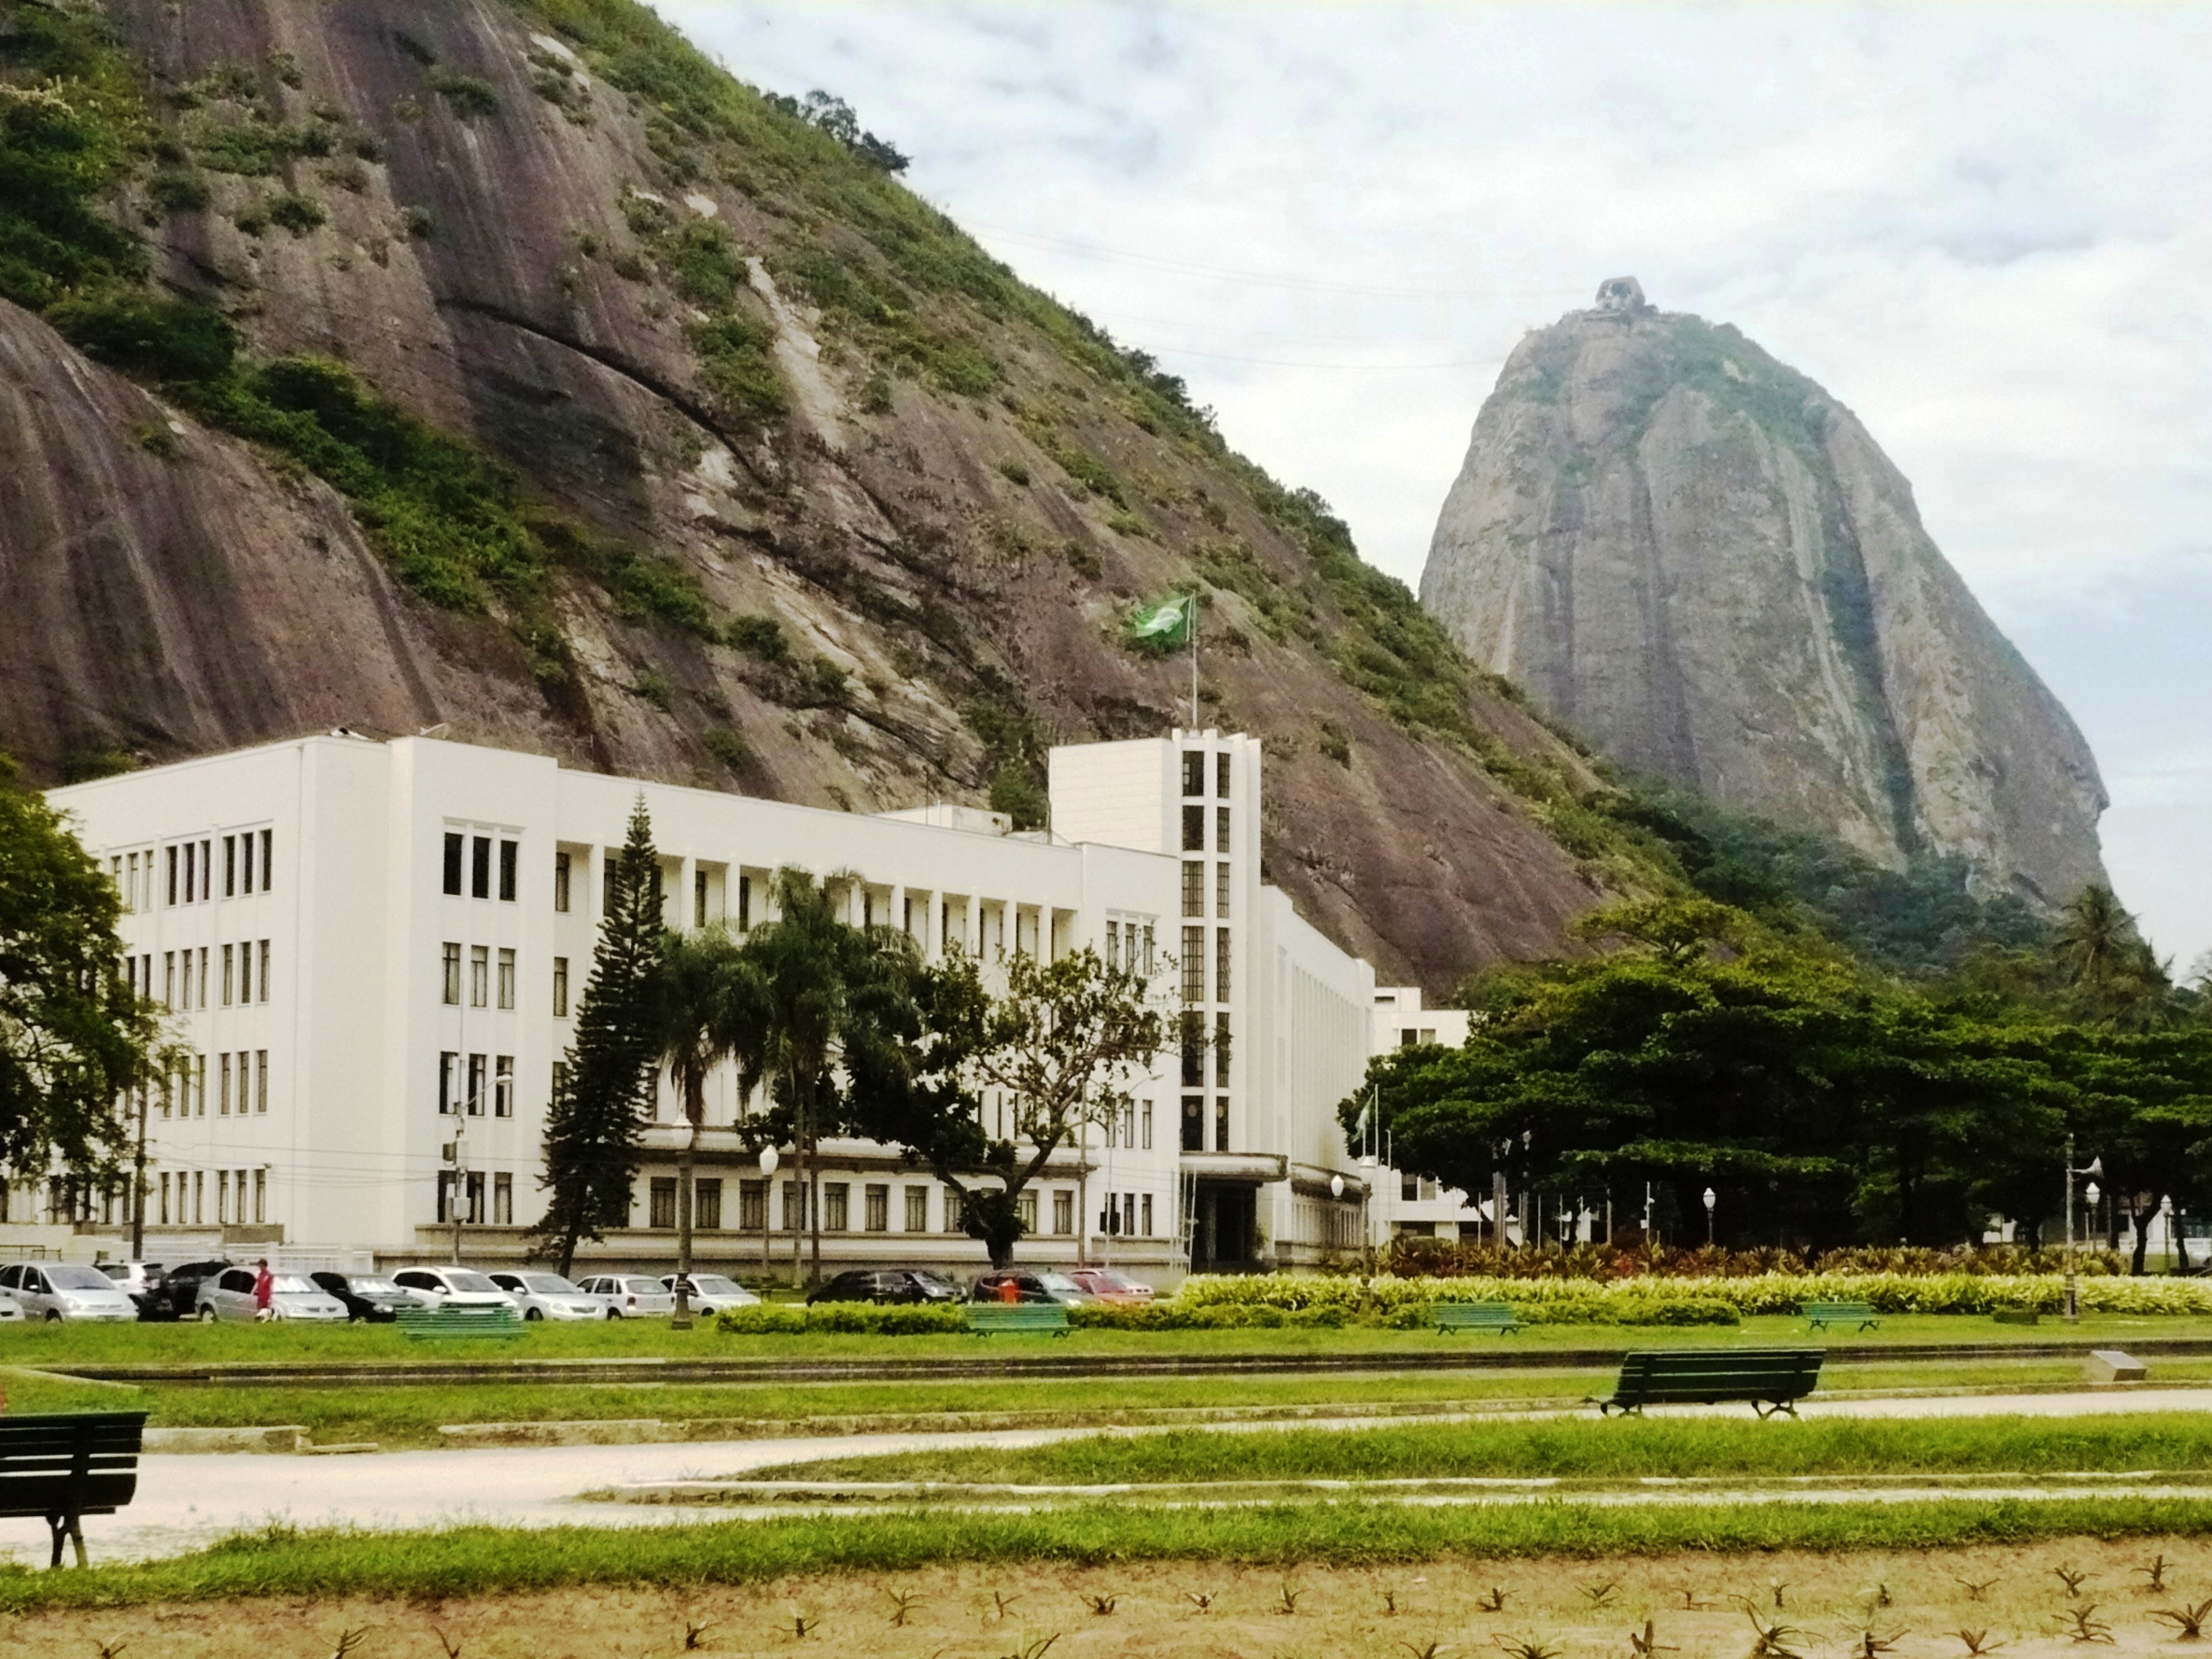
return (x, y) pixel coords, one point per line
(372, 952)
(1416, 1205)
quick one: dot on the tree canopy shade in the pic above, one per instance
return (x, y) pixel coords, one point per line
(1824, 1105)
(602, 1091)
(73, 1037)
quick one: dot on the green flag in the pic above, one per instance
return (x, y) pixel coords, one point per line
(1167, 624)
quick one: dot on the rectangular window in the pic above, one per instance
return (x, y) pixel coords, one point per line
(1145, 1118)
(706, 1206)
(191, 869)
(1194, 772)
(1220, 891)
(561, 881)
(261, 1082)
(1113, 944)
(453, 862)
(172, 861)
(246, 971)
(264, 971)
(1194, 965)
(503, 1086)
(698, 898)
(204, 976)
(268, 864)
(261, 1196)
(1194, 886)
(955, 1212)
(1194, 1122)
(1221, 1051)
(837, 1207)
(560, 1079)
(1193, 1044)
(246, 846)
(1063, 1212)
(875, 1209)
(223, 1085)
(503, 1200)
(1220, 828)
(1147, 1215)
(127, 879)
(918, 1209)
(743, 903)
(752, 1207)
(230, 867)
(506, 978)
(200, 1084)
(1220, 1122)
(230, 951)
(451, 993)
(475, 1217)
(477, 1069)
(794, 1206)
(199, 1196)
(188, 979)
(1221, 776)
(479, 867)
(1221, 965)
(448, 1083)
(445, 1196)
(508, 853)
(661, 1208)
(168, 980)
(222, 1198)
(606, 882)
(1025, 1211)
(560, 987)
(480, 975)
(1194, 828)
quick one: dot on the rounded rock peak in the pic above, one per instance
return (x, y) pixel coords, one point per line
(1622, 294)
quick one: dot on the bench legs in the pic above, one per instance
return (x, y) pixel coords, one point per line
(1775, 1409)
(66, 1526)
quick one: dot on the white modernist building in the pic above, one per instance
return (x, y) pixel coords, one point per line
(372, 953)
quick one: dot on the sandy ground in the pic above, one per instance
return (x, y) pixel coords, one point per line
(1858, 1606)
(187, 1502)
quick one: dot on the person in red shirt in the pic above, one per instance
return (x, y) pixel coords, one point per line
(264, 1289)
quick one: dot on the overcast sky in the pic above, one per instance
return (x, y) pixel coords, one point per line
(1984, 227)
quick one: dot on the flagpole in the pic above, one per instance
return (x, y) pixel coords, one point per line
(1193, 602)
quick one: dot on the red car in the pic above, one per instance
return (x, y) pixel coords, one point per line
(1110, 1286)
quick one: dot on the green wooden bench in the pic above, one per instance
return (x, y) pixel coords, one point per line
(431, 1323)
(1819, 1316)
(990, 1319)
(1771, 1380)
(1473, 1315)
(63, 1467)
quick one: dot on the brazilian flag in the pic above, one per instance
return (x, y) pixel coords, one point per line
(1168, 625)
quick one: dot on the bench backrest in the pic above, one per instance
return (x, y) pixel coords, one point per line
(467, 1312)
(1718, 1374)
(1473, 1313)
(1018, 1316)
(69, 1463)
(1838, 1310)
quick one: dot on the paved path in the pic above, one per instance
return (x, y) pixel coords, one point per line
(185, 1502)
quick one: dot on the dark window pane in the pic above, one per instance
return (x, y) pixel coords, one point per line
(1194, 828)
(480, 868)
(1193, 773)
(507, 862)
(452, 864)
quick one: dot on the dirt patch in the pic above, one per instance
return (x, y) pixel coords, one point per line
(1920, 1605)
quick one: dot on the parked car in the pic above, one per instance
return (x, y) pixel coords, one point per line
(141, 1282)
(230, 1295)
(629, 1295)
(368, 1297)
(1030, 1284)
(549, 1296)
(894, 1284)
(450, 1287)
(711, 1292)
(180, 1287)
(65, 1290)
(10, 1309)
(1110, 1286)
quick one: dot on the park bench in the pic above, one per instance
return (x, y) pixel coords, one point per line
(1770, 1379)
(67, 1466)
(988, 1319)
(1819, 1316)
(429, 1323)
(1474, 1315)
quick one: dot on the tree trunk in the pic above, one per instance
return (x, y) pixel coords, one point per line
(694, 1108)
(2139, 1218)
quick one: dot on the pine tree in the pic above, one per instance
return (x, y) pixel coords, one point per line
(592, 1125)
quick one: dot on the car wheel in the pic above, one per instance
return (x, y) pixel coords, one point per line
(208, 1316)
(53, 1315)
(531, 1313)
(614, 1313)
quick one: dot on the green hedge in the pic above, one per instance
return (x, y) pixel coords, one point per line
(842, 1319)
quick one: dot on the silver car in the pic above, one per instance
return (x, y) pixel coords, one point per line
(57, 1291)
(629, 1295)
(451, 1286)
(229, 1296)
(10, 1309)
(711, 1292)
(549, 1296)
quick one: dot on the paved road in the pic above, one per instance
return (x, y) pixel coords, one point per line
(185, 1502)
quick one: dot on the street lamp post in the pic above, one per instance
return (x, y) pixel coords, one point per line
(1335, 1195)
(768, 1163)
(2095, 1168)
(1711, 1199)
(2166, 1216)
(686, 1133)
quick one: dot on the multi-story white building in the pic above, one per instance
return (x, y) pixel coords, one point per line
(372, 953)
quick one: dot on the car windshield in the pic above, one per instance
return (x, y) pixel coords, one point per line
(645, 1286)
(368, 1287)
(1111, 1281)
(713, 1284)
(67, 1276)
(460, 1278)
(292, 1284)
(547, 1284)
(1057, 1281)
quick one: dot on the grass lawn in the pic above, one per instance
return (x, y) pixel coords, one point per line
(1627, 1449)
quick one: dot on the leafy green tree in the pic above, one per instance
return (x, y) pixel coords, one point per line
(605, 1092)
(74, 1037)
(708, 1006)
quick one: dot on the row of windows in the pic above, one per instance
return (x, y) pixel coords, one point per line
(1194, 965)
(1193, 773)
(1194, 829)
(186, 872)
(480, 976)
(463, 1090)
(1129, 944)
(230, 1191)
(1196, 1046)
(1194, 1124)
(476, 852)
(1194, 889)
(241, 1084)
(875, 1208)
(189, 977)
(472, 1195)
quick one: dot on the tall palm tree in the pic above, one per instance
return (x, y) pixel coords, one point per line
(708, 1006)
(2093, 935)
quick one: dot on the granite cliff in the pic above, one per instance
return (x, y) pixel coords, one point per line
(1704, 562)
(511, 366)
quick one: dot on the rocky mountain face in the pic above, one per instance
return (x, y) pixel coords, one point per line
(1704, 562)
(508, 366)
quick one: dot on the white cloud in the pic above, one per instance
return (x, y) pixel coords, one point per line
(1983, 228)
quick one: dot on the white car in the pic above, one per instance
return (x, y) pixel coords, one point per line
(230, 1295)
(711, 1292)
(55, 1290)
(451, 1286)
(9, 1308)
(629, 1295)
(549, 1296)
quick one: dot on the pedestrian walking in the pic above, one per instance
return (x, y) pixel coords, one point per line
(264, 1289)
